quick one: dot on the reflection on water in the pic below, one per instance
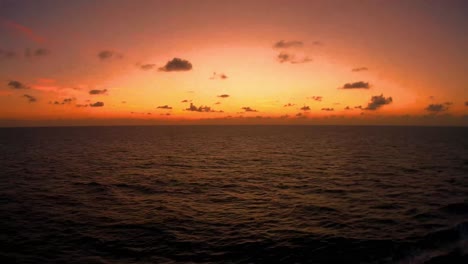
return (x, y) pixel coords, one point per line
(234, 194)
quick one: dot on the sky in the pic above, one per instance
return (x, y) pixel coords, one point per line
(113, 62)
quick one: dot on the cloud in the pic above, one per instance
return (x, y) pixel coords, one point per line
(316, 98)
(36, 52)
(221, 76)
(147, 67)
(223, 96)
(466, 103)
(97, 104)
(201, 108)
(305, 108)
(186, 101)
(25, 31)
(7, 54)
(81, 105)
(217, 103)
(378, 101)
(438, 108)
(64, 101)
(288, 105)
(327, 109)
(17, 85)
(288, 44)
(356, 85)
(358, 69)
(318, 43)
(177, 64)
(164, 107)
(291, 58)
(30, 98)
(94, 92)
(109, 54)
(248, 109)
(358, 107)
(347, 108)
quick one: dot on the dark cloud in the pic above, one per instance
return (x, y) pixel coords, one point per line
(147, 67)
(201, 108)
(438, 108)
(177, 64)
(356, 85)
(36, 52)
(316, 98)
(220, 76)
(347, 108)
(358, 69)
(164, 107)
(248, 109)
(109, 54)
(17, 85)
(7, 54)
(378, 101)
(30, 98)
(358, 107)
(466, 103)
(97, 104)
(291, 58)
(94, 92)
(81, 105)
(327, 109)
(288, 105)
(186, 101)
(288, 44)
(223, 95)
(305, 108)
(64, 101)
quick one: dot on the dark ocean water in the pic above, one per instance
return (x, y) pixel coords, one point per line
(234, 194)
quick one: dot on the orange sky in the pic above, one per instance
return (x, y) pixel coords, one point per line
(236, 62)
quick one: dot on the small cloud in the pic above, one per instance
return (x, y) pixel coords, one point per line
(81, 105)
(378, 101)
(466, 103)
(217, 103)
(63, 102)
(305, 108)
(348, 108)
(316, 98)
(164, 107)
(147, 67)
(291, 58)
(318, 43)
(358, 69)
(7, 54)
(438, 108)
(223, 96)
(356, 85)
(36, 52)
(17, 85)
(288, 44)
(109, 54)
(177, 64)
(201, 108)
(30, 98)
(248, 109)
(94, 92)
(123, 102)
(327, 109)
(186, 101)
(220, 76)
(358, 107)
(97, 104)
(288, 105)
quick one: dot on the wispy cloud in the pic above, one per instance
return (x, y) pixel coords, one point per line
(147, 67)
(288, 105)
(291, 58)
(24, 31)
(201, 108)
(327, 109)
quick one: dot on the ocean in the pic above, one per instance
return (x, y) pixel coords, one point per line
(234, 194)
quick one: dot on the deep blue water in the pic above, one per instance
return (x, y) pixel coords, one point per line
(234, 194)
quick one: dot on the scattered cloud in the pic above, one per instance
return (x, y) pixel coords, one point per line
(316, 98)
(30, 98)
(147, 67)
(291, 58)
(109, 54)
(223, 96)
(63, 102)
(220, 76)
(177, 64)
(17, 85)
(36, 52)
(97, 104)
(7, 54)
(288, 105)
(288, 44)
(164, 107)
(305, 108)
(327, 109)
(248, 109)
(378, 101)
(358, 69)
(438, 108)
(94, 92)
(201, 108)
(356, 85)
